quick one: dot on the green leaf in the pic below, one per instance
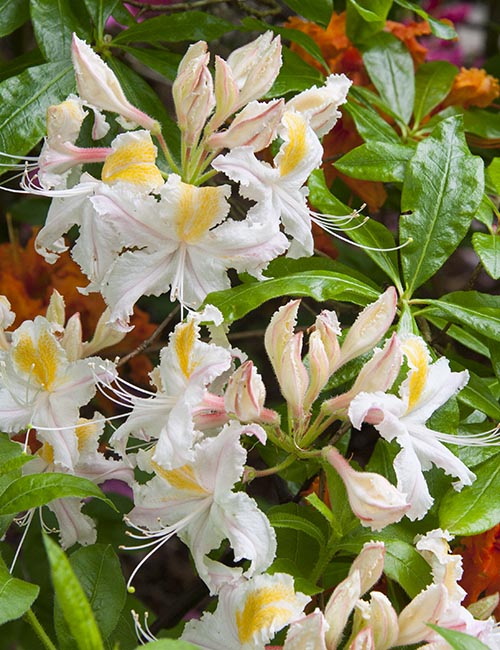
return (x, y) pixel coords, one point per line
(14, 14)
(476, 508)
(16, 596)
(320, 285)
(72, 600)
(390, 67)
(20, 63)
(373, 234)
(185, 26)
(296, 36)
(295, 75)
(319, 11)
(487, 246)
(377, 161)
(12, 456)
(296, 518)
(476, 393)
(164, 62)
(433, 82)
(54, 24)
(482, 123)
(100, 11)
(442, 191)
(369, 124)
(493, 174)
(98, 570)
(440, 29)
(168, 644)
(479, 311)
(459, 640)
(36, 490)
(24, 101)
(365, 18)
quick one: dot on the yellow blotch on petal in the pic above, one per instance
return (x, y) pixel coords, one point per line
(182, 478)
(87, 433)
(418, 358)
(198, 209)
(133, 161)
(262, 608)
(185, 339)
(296, 149)
(46, 452)
(40, 362)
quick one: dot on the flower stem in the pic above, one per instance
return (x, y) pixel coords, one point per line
(38, 629)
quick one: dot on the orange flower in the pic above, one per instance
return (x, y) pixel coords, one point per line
(473, 87)
(407, 33)
(481, 561)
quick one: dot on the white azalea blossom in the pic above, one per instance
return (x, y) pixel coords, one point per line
(197, 503)
(248, 615)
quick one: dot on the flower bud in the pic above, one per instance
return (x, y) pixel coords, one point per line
(379, 616)
(307, 633)
(72, 338)
(255, 127)
(320, 105)
(370, 564)
(364, 640)
(375, 501)
(245, 395)
(292, 375)
(98, 85)
(56, 311)
(255, 66)
(370, 326)
(193, 92)
(279, 331)
(339, 608)
(427, 607)
(105, 335)
(226, 94)
(65, 120)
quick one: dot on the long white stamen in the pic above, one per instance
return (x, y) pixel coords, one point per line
(26, 521)
(143, 634)
(78, 425)
(485, 439)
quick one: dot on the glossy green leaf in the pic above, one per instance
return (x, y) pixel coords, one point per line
(72, 600)
(390, 67)
(319, 11)
(369, 124)
(482, 123)
(476, 393)
(54, 24)
(372, 234)
(16, 596)
(98, 570)
(24, 101)
(295, 75)
(295, 517)
(11, 455)
(185, 26)
(439, 28)
(433, 82)
(14, 14)
(36, 490)
(493, 175)
(377, 161)
(442, 191)
(365, 18)
(459, 640)
(477, 507)
(320, 285)
(100, 11)
(485, 212)
(479, 311)
(20, 63)
(487, 246)
(164, 62)
(371, 99)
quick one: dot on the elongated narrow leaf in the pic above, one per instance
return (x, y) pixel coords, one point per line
(16, 596)
(166, 63)
(38, 489)
(482, 122)
(14, 13)
(71, 597)
(365, 18)
(11, 455)
(100, 11)
(487, 246)
(369, 124)
(476, 393)
(281, 519)
(442, 191)
(479, 311)
(98, 570)
(433, 82)
(477, 507)
(372, 235)
(459, 640)
(439, 28)
(185, 26)
(295, 75)
(320, 285)
(24, 101)
(54, 23)
(390, 67)
(377, 161)
(319, 11)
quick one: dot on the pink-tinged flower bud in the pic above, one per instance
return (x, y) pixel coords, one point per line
(245, 395)
(375, 501)
(339, 608)
(370, 326)
(72, 338)
(364, 640)
(280, 331)
(378, 374)
(320, 105)
(226, 94)
(98, 85)
(255, 127)
(255, 66)
(56, 311)
(323, 353)
(427, 607)
(370, 564)
(292, 375)
(379, 616)
(105, 335)
(193, 92)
